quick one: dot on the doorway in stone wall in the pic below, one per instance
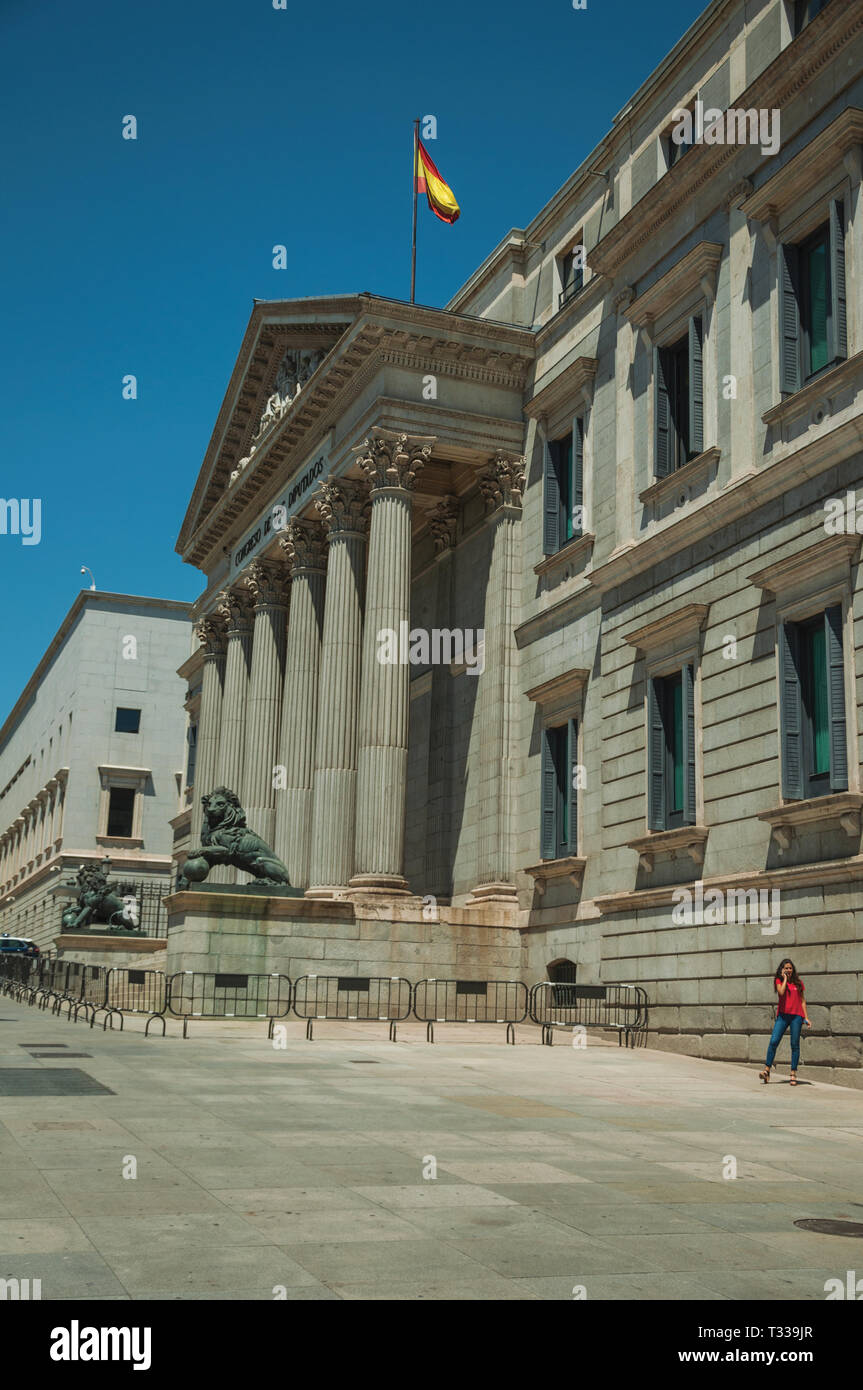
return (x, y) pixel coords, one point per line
(562, 973)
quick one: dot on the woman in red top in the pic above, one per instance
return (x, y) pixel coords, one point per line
(790, 1013)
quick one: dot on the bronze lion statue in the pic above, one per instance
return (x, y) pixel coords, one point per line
(227, 839)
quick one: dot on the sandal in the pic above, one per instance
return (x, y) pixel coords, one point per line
(792, 1080)
(764, 1075)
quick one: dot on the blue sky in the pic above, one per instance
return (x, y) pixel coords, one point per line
(256, 126)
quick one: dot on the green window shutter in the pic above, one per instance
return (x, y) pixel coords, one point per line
(790, 712)
(548, 816)
(837, 324)
(789, 319)
(688, 681)
(550, 503)
(572, 764)
(662, 432)
(696, 386)
(655, 758)
(836, 698)
(577, 489)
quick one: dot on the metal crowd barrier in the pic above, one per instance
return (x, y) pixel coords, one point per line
(368, 998)
(620, 1008)
(194, 994)
(470, 1001)
(130, 991)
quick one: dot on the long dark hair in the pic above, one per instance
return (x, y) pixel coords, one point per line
(795, 978)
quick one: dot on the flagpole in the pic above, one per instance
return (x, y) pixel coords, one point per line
(414, 234)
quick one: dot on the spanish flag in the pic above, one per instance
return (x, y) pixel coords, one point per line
(441, 198)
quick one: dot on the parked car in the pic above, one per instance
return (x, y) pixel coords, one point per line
(18, 945)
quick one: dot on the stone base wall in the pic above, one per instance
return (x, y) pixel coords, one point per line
(233, 932)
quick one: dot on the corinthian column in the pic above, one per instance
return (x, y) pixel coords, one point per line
(391, 463)
(501, 486)
(234, 608)
(343, 508)
(305, 546)
(443, 521)
(210, 632)
(267, 584)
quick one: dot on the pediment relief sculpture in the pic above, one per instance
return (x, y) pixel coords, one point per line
(296, 368)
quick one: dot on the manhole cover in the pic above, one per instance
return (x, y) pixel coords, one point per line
(826, 1227)
(56, 1081)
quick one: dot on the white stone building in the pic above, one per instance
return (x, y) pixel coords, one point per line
(612, 466)
(91, 758)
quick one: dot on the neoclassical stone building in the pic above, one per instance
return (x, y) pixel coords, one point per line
(609, 472)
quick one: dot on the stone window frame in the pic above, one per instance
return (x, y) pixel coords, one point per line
(802, 586)
(787, 208)
(559, 700)
(554, 408)
(666, 646)
(661, 316)
(135, 778)
(559, 273)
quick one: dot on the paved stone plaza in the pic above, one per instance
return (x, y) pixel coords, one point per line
(302, 1167)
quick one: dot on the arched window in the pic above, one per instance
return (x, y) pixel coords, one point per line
(562, 973)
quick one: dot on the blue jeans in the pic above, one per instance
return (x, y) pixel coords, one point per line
(783, 1021)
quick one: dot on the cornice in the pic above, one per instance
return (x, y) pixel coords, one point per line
(814, 50)
(575, 382)
(806, 168)
(678, 625)
(559, 687)
(828, 558)
(697, 269)
(798, 876)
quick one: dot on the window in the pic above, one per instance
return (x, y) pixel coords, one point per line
(121, 812)
(812, 706)
(805, 11)
(813, 332)
(127, 721)
(679, 401)
(564, 489)
(671, 750)
(571, 271)
(562, 974)
(679, 138)
(559, 833)
(192, 755)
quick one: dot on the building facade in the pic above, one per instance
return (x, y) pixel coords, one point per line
(535, 622)
(91, 758)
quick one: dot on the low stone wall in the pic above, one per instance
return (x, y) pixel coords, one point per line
(235, 932)
(114, 952)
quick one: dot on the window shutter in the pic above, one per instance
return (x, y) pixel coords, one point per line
(688, 679)
(789, 319)
(837, 324)
(548, 826)
(578, 471)
(836, 698)
(661, 416)
(572, 762)
(696, 386)
(550, 502)
(655, 758)
(790, 713)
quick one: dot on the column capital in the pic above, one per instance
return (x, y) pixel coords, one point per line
(305, 545)
(235, 609)
(343, 507)
(210, 632)
(267, 583)
(443, 519)
(393, 460)
(502, 481)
